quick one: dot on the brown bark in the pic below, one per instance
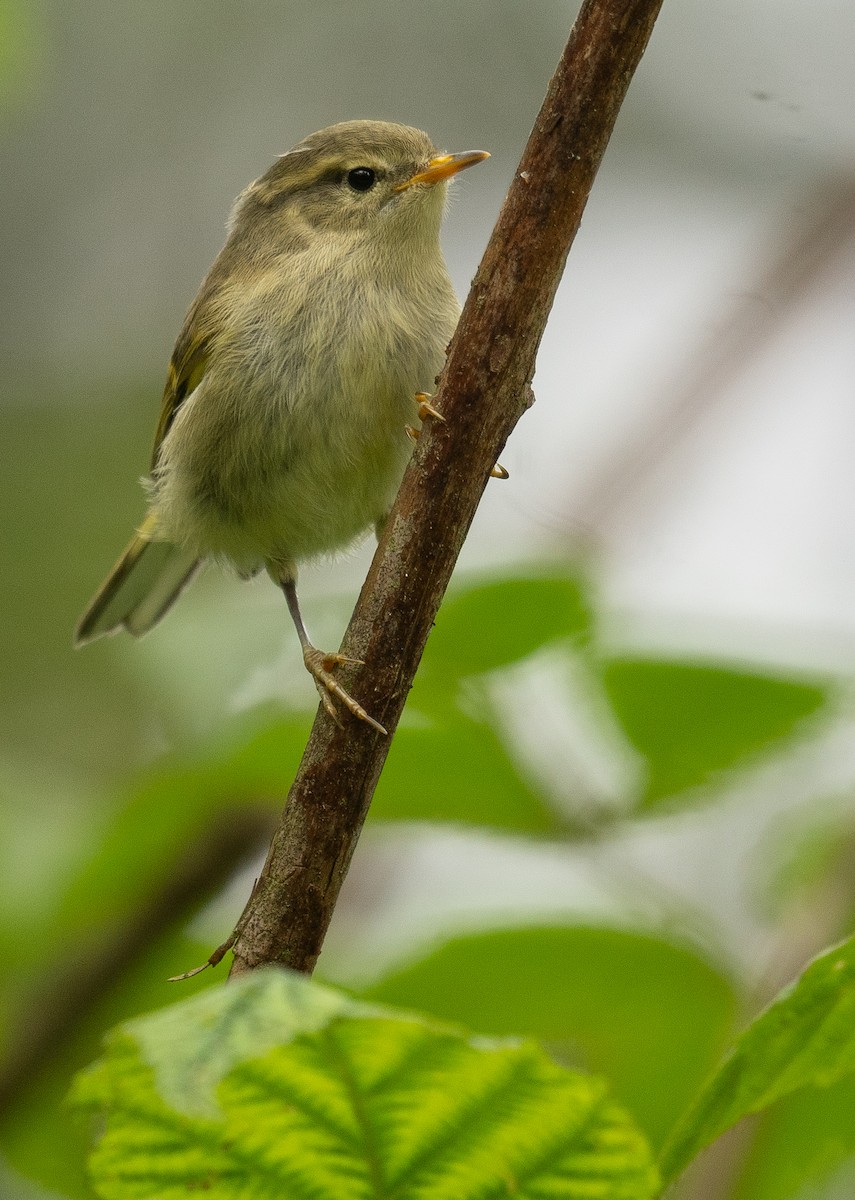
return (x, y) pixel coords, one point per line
(483, 391)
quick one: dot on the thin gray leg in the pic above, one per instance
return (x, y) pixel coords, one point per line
(319, 665)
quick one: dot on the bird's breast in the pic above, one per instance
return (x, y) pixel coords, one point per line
(295, 442)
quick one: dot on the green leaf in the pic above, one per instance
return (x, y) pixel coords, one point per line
(501, 621)
(458, 771)
(806, 1038)
(652, 1017)
(275, 1087)
(804, 1139)
(691, 721)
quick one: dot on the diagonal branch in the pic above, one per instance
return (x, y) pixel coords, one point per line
(484, 389)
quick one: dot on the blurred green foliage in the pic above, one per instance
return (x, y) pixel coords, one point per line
(41, 1137)
(21, 49)
(113, 768)
(458, 770)
(651, 1017)
(275, 1085)
(114, 763)
(493, 624)
(805, 1039)
(692, 721)
(801, 1143)
(67, 484)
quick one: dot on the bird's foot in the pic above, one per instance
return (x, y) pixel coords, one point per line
(320, 666)
(426, 409)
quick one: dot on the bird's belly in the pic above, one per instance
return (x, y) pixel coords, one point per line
(276, 479)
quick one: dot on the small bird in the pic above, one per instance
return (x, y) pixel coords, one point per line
(314, 339)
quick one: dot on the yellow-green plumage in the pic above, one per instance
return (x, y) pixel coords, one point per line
(282, 430)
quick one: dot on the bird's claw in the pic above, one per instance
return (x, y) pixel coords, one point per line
(339, 660)
(319, 666)
(426, 409)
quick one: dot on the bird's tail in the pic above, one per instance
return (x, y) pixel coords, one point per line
(142, 585)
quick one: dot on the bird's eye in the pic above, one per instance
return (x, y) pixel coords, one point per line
(362, 179)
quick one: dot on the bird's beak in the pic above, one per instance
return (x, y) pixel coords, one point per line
(444, 167)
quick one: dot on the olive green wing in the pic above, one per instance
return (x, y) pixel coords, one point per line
(151, 573)
(186, 371)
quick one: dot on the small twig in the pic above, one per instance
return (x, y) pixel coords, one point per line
(483, 391)
(217, 956)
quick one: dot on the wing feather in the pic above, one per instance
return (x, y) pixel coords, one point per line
(186, 371)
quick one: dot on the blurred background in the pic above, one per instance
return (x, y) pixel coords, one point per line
(619, 814)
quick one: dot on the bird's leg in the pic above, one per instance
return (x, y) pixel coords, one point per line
(320, 665)
(426, 409)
